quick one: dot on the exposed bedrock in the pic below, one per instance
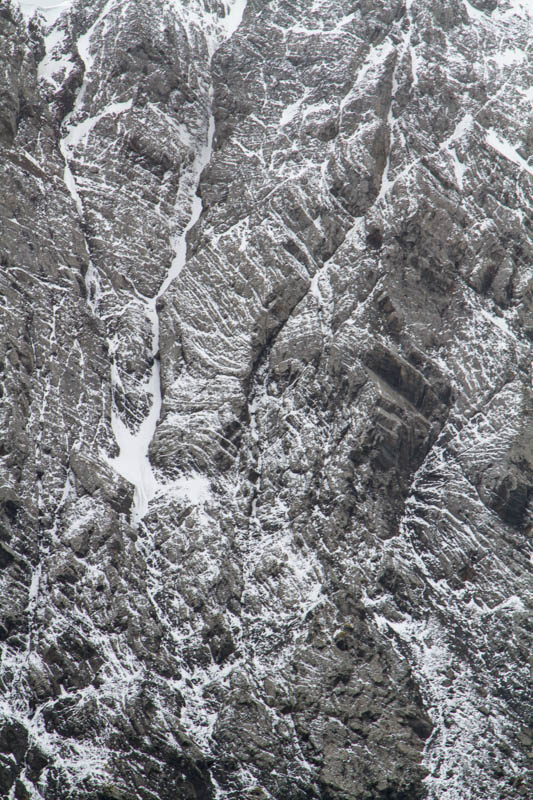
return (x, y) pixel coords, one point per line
(304, 228)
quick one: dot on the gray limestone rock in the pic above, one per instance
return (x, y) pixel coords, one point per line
(265, 400)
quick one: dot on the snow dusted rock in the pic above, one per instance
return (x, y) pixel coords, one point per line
(266, 395)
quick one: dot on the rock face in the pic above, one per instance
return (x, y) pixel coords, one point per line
(266, 409)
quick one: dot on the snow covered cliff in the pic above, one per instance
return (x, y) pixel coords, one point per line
(266, 464)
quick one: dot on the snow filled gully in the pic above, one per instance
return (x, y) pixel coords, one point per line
(133, 461)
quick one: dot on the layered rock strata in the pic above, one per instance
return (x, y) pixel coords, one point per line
(267, 449)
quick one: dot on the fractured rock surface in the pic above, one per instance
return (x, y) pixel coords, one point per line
(266, 411)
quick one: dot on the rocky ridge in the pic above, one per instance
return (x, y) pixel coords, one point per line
(267, 466)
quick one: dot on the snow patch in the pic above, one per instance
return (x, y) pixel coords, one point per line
(462, 127)
(291, 111)
(51, 10)
(132, 461)
(473, 13)
(498, 322)
(54, 61)
(70, 183)
(520, 8)
(414, 64)
(234, 15)
(506, 149)
(314, 287)
(79, 133)
(458, 167)
(194, 489)
(509, 56)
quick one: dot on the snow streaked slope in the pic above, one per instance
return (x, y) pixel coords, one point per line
(320, 226)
